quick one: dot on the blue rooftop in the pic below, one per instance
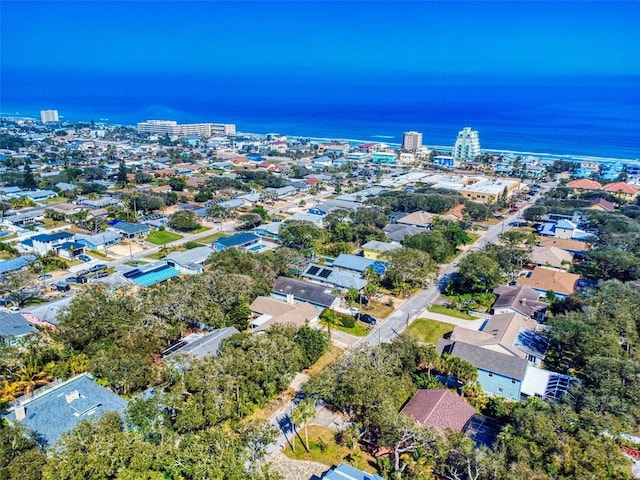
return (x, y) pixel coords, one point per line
(15, 263)
(48, 238)
(347, 472)
(14, 325)
(151, 274)
(237, 240)
(130, 228)
(61, 408)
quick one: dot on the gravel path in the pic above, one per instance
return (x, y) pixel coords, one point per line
(296, 469)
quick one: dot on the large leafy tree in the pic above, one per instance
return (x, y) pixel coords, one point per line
(409, 269)
(478, 273)
(301, 235)
(184, 221)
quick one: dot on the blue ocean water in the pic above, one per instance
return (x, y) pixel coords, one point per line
(597, 116)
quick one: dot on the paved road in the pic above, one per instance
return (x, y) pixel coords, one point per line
(414, 308)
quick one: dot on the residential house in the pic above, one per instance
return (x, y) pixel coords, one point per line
(25, 217)
(281, 192)
(544, 280)
(551, 257)
(564, 229)
(602, 205)
(316, 220)
(305, 292)
(622, 190)
(231, 204)
(358, 264)
(268, 311)
(15, 264)
(384, 158)
(45, 243)
(189, 262)
(14, 329)
(150, 273)
(519, 299)
(440, 409)
(346, 472)
(374, 249)
(332, 205)
(239, 240)
(584, 185)
(498, 373)
(396, 232)
(61, 408)
(66, 187)
(338, 278)
(269, 230)
(576, 247)
(420, 219)
(130, 230)
(508, 333)
(200, 345)
(38, 194)
(99, 241)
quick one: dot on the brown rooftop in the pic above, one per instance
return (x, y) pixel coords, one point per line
(440, 409)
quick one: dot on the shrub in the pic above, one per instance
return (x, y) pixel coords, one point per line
(347, 321)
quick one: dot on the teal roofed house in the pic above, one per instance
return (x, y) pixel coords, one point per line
(385, 158)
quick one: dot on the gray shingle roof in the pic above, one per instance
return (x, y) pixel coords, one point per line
(304, 291)
(484, 359)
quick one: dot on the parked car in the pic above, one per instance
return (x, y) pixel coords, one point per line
(45, 276)
(98, 267)
(61, 286)
(84, 258)
(101, 274)
(365, 318)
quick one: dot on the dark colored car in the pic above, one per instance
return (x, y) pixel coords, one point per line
(98, 267)
(365, 318)
(84, 258)
(62, 286)
(102, 274)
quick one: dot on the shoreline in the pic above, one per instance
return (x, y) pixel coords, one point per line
(379, 138)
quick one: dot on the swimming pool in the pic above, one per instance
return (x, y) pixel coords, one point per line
(257, 248)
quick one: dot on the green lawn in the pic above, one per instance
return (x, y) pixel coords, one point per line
(164, 252)
(161, 237)
(359, 330)
(472, 237)
(429, 331)
(211, 238)
(54, 200)
(200, 229)
(452, 312)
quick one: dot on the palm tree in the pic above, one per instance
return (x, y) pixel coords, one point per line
(304, 412)
(329, 319)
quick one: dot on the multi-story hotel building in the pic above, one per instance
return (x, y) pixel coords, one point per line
(171, 127)
(411, 141)
(467, 146)
(49, 116)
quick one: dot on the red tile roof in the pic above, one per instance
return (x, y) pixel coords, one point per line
(440, 409)
(585, 184)
(621, 187)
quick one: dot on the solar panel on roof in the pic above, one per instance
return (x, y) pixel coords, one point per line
(324, 273)
(173, 348)
(313, 270)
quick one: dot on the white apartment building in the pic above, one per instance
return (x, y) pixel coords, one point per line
(411, 141)
(171, 127)
(467, 146)
(49, 116)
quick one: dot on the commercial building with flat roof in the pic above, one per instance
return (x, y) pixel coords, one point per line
(171, 127)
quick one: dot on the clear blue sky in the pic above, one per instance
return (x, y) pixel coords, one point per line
(335, 38)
